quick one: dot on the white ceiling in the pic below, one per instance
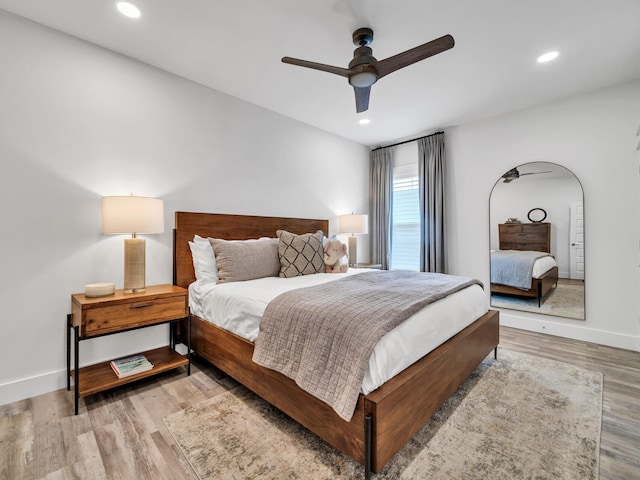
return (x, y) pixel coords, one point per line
(235, 46)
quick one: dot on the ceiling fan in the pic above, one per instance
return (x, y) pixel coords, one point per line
(365, 70)
(514, 174)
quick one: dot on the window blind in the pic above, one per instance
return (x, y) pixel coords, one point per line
(405, 226)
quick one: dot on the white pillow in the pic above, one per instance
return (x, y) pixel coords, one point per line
(204, 260)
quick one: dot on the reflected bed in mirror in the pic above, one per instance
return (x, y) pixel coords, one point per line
(537, 241)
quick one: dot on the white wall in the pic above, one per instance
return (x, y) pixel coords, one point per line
(594, 136)
(78, 122)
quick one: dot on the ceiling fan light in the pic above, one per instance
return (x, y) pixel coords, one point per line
(363, 79)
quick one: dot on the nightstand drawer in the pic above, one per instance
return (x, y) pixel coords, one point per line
(142, 312)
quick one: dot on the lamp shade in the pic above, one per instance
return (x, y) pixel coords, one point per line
(131, 214)
(354, 223)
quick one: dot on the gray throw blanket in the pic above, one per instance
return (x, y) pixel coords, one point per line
(514, 267)
(323, 336)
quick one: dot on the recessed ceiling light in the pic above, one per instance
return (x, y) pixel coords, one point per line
(128, 9)
(364, 121)
(547, 57)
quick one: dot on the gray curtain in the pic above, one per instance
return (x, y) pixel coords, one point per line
(431, 172)
(380, 198)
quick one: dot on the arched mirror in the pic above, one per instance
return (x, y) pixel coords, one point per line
(537, 241)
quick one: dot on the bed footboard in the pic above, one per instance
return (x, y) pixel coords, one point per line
(405, 403)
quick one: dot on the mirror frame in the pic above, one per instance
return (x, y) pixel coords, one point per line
(573, 287)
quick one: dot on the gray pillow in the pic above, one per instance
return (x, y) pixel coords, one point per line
(240, 260)
(300, 254)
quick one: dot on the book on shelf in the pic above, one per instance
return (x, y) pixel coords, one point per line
(123, 367)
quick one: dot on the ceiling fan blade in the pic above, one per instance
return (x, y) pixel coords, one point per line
(362, 98)
(508, 179)
(345, 72)
(404, 59)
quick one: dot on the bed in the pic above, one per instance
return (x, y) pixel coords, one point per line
(385, 419)
(526, 237)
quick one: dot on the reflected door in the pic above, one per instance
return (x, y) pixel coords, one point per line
(576, 248)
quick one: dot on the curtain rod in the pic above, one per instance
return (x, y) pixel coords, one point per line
(405, 141)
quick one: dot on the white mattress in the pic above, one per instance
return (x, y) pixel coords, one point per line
(542, 266)
(238, 307)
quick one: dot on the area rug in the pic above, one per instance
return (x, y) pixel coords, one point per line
(516, 417)
(566, 300)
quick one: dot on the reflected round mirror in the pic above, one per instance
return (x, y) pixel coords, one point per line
(536, 224)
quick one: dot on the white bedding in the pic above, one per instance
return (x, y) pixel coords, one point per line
(238, 307)
(542, 266)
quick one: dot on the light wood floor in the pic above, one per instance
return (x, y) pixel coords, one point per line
(120, 435)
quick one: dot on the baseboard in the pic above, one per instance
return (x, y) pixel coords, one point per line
(32, 386)
(552, 327)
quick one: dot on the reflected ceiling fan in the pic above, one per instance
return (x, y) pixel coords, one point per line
(365, 70)
(514, 174)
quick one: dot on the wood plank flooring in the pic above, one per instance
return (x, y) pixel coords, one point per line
(620, 435)
(119, 434)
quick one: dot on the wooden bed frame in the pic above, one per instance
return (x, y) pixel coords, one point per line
(527, 236)
(385, 419)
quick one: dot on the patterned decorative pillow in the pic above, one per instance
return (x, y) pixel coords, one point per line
(300, 254)
(240, 260)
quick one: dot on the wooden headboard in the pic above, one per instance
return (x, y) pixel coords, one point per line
(525, 236)
(227, 227)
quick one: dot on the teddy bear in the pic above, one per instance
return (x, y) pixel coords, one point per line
(334, 252)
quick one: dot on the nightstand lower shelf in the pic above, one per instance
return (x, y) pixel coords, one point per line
(100, 376)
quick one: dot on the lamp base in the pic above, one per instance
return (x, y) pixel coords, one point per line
(133, 290)
(134, 265)
(353, 251)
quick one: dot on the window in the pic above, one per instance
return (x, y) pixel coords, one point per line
(405, 225)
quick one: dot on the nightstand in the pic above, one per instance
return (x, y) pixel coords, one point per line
(93, 317)
(373, 266)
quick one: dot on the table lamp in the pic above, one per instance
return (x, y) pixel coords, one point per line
(134, 215)
(353, 224)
